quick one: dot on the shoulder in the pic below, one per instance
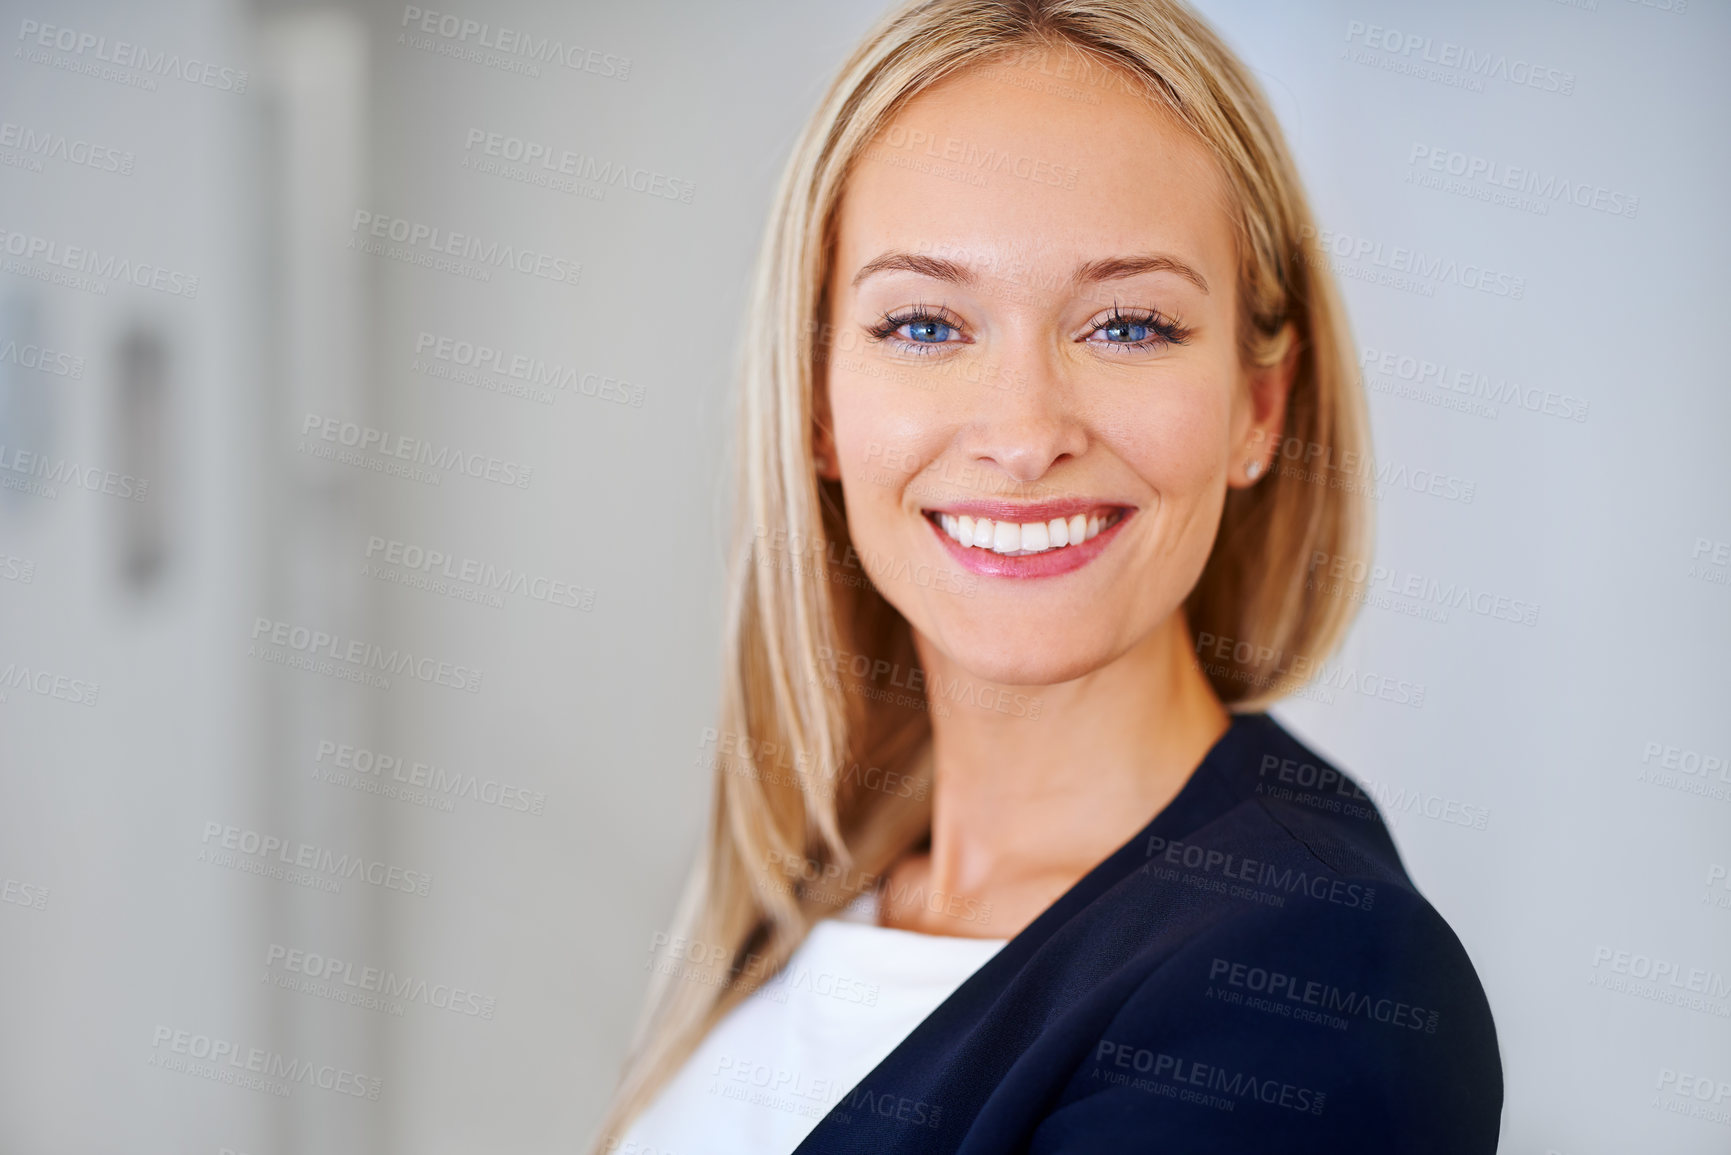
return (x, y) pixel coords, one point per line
(1299, 1029)
(1321, 1004)
(1328, 884)
(1317, 804)
(1286, 827)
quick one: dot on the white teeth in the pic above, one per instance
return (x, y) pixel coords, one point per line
(1019, 539)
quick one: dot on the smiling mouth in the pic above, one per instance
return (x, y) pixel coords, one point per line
(1025, 539)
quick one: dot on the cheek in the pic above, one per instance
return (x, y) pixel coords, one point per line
(883, 433)
(1175, 441)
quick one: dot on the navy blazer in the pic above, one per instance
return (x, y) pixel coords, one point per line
(1254, 972)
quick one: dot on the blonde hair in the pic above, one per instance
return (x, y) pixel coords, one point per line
(792, 806)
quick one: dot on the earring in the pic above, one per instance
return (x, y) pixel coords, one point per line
(1253, 470)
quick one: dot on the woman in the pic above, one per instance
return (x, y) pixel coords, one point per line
(1004, 854)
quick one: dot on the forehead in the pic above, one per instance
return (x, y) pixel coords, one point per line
(1004, 169)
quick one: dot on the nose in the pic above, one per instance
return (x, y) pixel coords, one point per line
(1026, 421)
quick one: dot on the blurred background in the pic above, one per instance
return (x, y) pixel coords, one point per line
(363, 408)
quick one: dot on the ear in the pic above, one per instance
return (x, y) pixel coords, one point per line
(1257, 438)
(823, 449)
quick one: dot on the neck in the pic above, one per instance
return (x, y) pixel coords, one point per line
(1026, 801)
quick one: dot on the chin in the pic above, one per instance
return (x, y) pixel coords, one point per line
(1019, 664)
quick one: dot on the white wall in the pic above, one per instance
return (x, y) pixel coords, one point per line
(1528, 802)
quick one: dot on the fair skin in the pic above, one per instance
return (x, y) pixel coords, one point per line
(1008, 363)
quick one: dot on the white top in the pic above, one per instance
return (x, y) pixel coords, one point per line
(777, 1062)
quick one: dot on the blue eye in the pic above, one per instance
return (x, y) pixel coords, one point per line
(928, 332)
(919, 330)
(1127, 332)
(1138, 332)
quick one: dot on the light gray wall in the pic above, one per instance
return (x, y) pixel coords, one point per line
(1527, 774)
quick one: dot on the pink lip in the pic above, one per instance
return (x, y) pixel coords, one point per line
(1038, 565)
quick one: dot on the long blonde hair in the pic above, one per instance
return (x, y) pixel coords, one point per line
(819, 787)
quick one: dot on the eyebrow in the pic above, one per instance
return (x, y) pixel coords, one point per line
(1089, 272)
